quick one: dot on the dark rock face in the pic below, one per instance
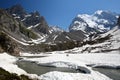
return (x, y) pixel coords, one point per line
(7, 23)
(16, 23)
(42, 27)
(17, 10)
(8, 45)
(118, 22)
(14, 28)
(66, 36)
(37, 23)
(33, 19)
(12, 31)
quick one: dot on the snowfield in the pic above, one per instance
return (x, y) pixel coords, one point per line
(55, 75)
(7, 62)
(76, 61)
(63, 59)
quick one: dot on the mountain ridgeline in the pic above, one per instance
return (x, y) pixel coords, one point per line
(23, 31)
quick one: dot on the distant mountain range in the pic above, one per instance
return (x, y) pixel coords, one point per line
(37, 23)
(30, 31)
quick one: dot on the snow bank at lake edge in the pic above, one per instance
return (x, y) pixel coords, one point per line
(7, 62)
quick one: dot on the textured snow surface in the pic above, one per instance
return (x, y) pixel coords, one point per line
(73, 60)
(65, 59)
(72, 76)
(7, 62)
(89, 20)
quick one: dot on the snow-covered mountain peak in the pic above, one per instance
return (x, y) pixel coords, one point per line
(100, 21)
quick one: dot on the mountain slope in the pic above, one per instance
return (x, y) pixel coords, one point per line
(32, 21)
(31, 32)
(106, 42)
(36, 23)
(13, 33)
(14, 28)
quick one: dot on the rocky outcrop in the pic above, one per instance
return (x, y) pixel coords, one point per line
(14, 28)
(32, 21)
(118, 22)
(8, 45)
(11, 30)
(5, 75)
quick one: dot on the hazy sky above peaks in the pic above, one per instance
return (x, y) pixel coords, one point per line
(61, 12)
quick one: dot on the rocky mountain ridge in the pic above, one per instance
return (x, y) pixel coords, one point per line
(37, 23)
(30, 31)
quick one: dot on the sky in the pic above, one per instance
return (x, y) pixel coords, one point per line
(61, 12)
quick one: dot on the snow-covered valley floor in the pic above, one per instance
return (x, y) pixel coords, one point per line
(76, 61)
(62, 59)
